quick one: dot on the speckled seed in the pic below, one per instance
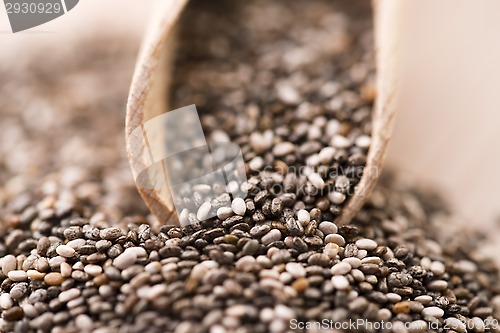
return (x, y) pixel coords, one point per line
(258, 142)
(362, 253)
(277, 325)
(366, 244)
(184, 217)
(335, 238)
(69, 295)
(56, 261)
(433, 311)
(125, 260)
(283, 148)
(342, 184)
(371, 260)
(65, 269)
(295, 269)
(18, 291)
(393, 297)
(251, 247)
(357, 275)
(156, 291)
(198, 272)
(43, 245)
(224, 212)
(331, 250)
(237, 310)
(326, 155)
(6, 301)
(437, 285)
(336, 197)
(153, 267)
(401, 307)
(266, 315)
(76, 243)
(341, 268)
(465, 266)
(203, 211)
(245, 263)
(424, 299)
(340, 282)
(426, 263)
(84, 322)
(139, 251)
(13, 314)
(238, 206)
(284, 312)
(327, 227)
(18, 275)
(93, 270)
(272, 236)
(30, 310)
(353, 262)
(110, 233)
(339, 141)
(416, 307)
(303, 216)
(384, 315)
(65, 251)
(256, 163)
(9, 263)
(300, 285)
(53, 279)
(316, 180)
(363, 141)
(42, 264)
(35, 275)
(102, 245)
(437, 268)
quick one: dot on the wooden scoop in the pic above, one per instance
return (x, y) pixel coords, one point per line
(151, 82)
(386, 18)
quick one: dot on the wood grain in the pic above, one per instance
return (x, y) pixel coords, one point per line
(148, 98)
(386, 16)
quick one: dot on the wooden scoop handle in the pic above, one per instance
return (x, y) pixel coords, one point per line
(148, 98)
(386, 15)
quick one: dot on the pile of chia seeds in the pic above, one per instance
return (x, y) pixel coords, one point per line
(295, 92)
(292, 84)
(65, 268)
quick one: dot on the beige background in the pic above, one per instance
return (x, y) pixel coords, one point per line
(88, 18)
(447, 132)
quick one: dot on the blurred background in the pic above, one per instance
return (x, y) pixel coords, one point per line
(55, 78)
(63, 91)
